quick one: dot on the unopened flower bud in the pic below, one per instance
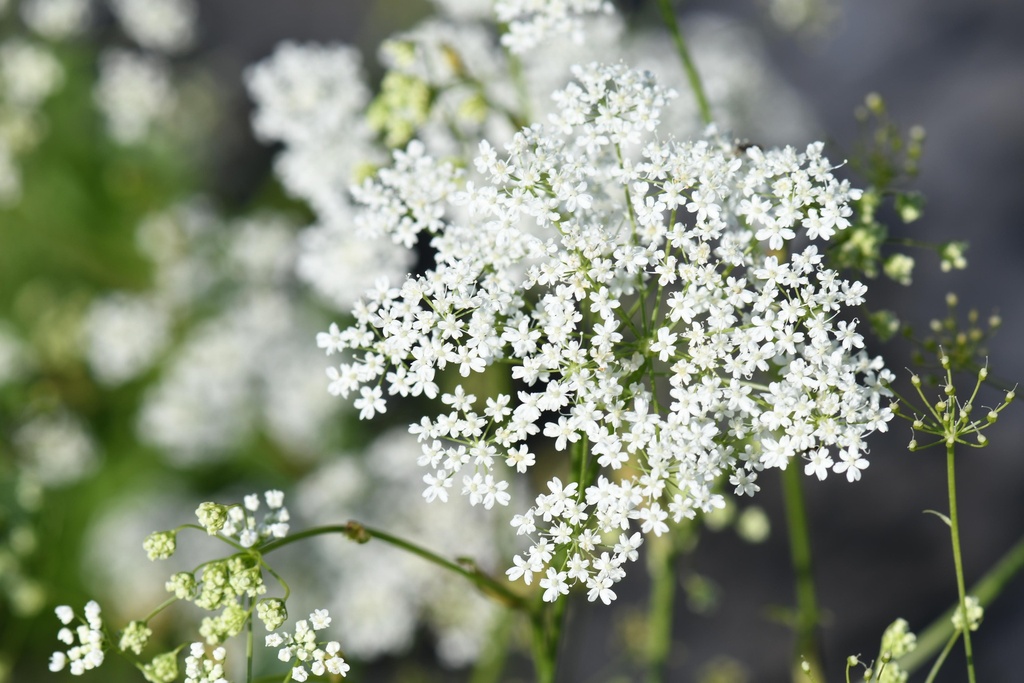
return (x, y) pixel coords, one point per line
(160, 545)
(212, 517)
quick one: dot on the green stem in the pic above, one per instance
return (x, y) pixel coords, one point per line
(362, 534)
(159, 608)
(661, 564)
(248, 646)
(954, 527)
(942, 658)
(669, 15)
(807, 619)
(546, 622)
(932, 638)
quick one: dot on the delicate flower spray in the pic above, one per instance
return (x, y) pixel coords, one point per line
(662, 310)
(232, 586)
(667, 320)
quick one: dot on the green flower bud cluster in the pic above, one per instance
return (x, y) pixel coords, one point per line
(134, 637)
(163, 668)
(160, 545)
(272, 612)
(227, 624)
(950, 419)
(183, 585)
(212, 517)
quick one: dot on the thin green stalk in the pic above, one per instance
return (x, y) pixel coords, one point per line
(954, 527)
(544, 665)
(362, 534)
(807, 618)
(932, 638)
(248, 646)
(669, 15)
(661, 564)
(942, 658)
(546, 622)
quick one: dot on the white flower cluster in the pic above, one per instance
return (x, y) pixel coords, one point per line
(203, 668)
(88, 653)
(311, 97)
(532, 21)
(302, 649)
(661, 313)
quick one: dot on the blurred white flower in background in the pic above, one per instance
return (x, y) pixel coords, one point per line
(57, 19)
(132, 91)
(124, 335)
(56, 449)
(29, 73)
(167, 26)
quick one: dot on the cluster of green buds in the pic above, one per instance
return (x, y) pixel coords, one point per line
(230, 586)
(951, 420)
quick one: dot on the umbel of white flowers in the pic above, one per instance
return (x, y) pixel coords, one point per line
(661, 305)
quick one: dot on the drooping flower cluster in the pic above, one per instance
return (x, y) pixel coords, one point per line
(308, 655)
(663, 308)
(88, 653)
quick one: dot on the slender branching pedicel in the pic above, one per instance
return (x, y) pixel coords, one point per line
(662, 306)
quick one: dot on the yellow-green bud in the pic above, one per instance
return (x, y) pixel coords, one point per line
(160, 545)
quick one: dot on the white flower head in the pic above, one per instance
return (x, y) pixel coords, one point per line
(538, 262)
